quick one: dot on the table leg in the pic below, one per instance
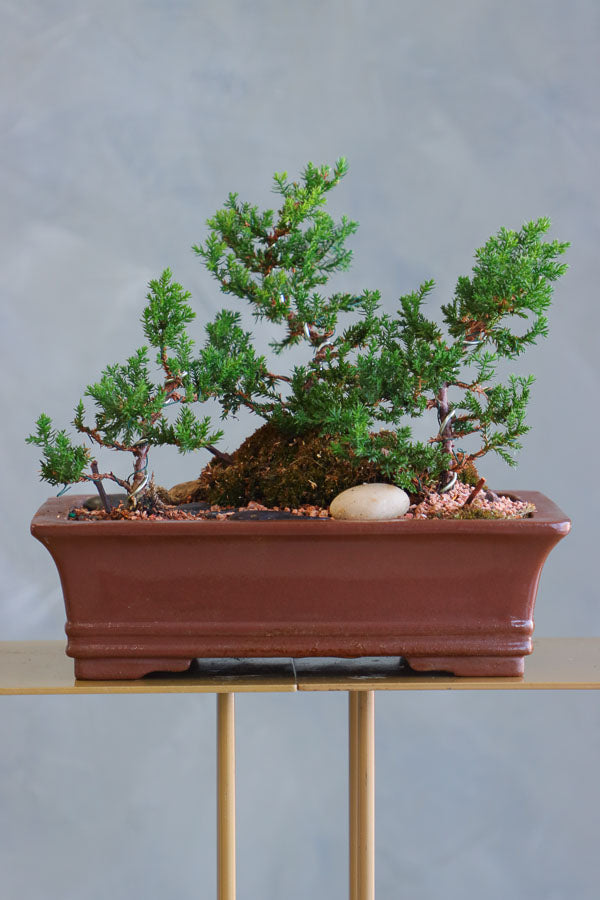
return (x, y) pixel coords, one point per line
(353, 791)
(225, 796)
(361, 728)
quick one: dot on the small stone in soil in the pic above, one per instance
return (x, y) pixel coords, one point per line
(197, 506)
(96, 502)
(375, 502)
(264, 515)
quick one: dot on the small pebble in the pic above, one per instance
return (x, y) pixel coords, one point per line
(96, 503)
(370, 502)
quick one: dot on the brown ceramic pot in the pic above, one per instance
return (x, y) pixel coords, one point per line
(447, 595)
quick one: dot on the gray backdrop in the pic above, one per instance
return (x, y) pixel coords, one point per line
(124, 124)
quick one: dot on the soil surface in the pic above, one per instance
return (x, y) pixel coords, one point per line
(200, 510)
(465, 502)
(462, 502)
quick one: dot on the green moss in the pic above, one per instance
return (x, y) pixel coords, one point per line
(469, 475)
(282, 470)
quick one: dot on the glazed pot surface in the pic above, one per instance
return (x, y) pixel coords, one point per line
(454, 595)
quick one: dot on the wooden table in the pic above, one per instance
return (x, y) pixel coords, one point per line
(41, 667)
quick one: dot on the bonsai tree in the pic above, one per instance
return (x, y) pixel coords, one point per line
(342, 416)
(130, 406)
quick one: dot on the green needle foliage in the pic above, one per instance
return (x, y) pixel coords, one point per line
(277, 261)
(365, 382)
(366, 373)
(63, 463)
(130, 405)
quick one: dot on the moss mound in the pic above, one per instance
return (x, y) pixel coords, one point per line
(469, 474)
(276, 469)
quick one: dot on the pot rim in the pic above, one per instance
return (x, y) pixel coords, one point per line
(52, 518)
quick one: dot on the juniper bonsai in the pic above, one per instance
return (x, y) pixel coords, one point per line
(130, 406)
(363, 383)
(343, 415)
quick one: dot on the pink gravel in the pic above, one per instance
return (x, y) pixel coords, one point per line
(435, 505)
(448, 504)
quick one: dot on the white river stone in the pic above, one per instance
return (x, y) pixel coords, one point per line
(370, 501)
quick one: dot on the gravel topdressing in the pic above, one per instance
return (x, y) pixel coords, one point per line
(450, 505)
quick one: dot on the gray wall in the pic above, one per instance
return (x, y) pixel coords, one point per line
(124, 124)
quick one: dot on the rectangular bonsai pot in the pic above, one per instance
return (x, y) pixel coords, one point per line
(449, 595)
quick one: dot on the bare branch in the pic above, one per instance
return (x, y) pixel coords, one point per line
(100, 487)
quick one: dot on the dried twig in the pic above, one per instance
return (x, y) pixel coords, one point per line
(474, 492)
(222, 457)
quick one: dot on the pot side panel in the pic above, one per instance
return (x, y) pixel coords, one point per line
(159, 597)
(299, 594)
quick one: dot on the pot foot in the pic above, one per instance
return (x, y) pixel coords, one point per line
(500, 666)
(117, 668)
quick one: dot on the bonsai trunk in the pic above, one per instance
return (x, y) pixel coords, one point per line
(100, 487)
(140, 473)
(446, 433)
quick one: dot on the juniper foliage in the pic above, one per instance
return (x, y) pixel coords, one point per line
(364, 382)
(366, 374)
(130, 405)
